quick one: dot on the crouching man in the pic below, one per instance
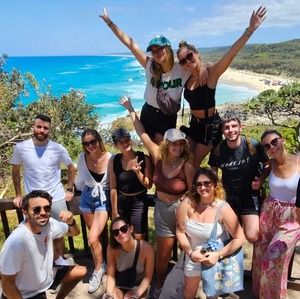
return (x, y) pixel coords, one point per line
(26, 259)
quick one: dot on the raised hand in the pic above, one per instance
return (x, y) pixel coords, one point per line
(137, 166)
(257, 18)
(105, 16)
(125, 102)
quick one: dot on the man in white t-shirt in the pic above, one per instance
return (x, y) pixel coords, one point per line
(41, 159)
(26, 258)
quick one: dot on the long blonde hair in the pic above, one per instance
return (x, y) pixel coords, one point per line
(164, 151)
(156, 68)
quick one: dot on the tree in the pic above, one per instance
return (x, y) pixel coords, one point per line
(70, 114)
(282, 108)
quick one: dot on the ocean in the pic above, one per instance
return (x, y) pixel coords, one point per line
(103, 79)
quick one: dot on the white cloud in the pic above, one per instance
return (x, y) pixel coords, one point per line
(230, 16)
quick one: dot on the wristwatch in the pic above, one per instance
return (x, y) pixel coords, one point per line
(70, 189)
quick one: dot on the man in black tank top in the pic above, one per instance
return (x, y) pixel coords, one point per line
(241, 158)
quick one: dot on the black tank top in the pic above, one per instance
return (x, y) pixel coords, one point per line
(97, 176)
(127, 180)
(201, 98)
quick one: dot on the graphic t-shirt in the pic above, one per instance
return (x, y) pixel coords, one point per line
(173, 82)
(238, 166)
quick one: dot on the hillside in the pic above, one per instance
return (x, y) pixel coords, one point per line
(274, 59)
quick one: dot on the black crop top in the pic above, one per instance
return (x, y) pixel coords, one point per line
(127, 180)
(201, 98)
(97, 176)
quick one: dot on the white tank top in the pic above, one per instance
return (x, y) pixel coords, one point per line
(284, 189)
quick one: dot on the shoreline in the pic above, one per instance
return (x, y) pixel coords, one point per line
(256, 81)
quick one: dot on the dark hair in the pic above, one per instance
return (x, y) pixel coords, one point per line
(96, 135)
(219, 191)
(228, 116)
(112, 240)
(268, 132)
(119, 134)
(43, 117)
(183, 44)
(35, 194)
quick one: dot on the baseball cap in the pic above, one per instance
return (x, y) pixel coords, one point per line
(173, 135)
(118, 134)
(158, 40)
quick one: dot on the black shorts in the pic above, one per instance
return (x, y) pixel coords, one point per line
(247, 203)
(135, 210)
(155, 121)
(206, 131)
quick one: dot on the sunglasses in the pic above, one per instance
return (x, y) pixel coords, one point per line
(37, 210)
(273, 142)
(206, 184)
(93, 142)
(188, 57)
(157, 50)
(123, 229)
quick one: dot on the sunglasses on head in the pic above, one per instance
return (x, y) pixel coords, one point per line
(188, 57)
(37, 210)
(273, 142)
(123, 229)
(206, 184)
(93, 142)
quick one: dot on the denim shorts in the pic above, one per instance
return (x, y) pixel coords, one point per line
(90, 204)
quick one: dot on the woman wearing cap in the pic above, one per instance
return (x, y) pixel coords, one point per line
(130, 263)
(173, 173)
(165, 81)
(93, 181)
(204, 129)
(130, 177)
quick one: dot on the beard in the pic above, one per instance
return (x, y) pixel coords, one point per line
(40, 136)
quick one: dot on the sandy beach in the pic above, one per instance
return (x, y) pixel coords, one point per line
(259, 82)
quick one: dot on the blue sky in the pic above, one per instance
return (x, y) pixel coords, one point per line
(72, 27)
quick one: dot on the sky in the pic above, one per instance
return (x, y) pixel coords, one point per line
(73, 27)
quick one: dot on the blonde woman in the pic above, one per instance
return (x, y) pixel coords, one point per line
(173, 173)
(162, 73)
(195, 220)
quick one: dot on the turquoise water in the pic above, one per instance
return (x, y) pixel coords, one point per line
(103, 79)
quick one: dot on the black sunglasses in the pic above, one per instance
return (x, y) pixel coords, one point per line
(188, 57)
(123, 229)
(93, 142)
(37, 210)
(206, 184)
(273, 142)
(157, 50)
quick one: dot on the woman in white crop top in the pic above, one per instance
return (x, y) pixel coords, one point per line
(195, 218)
(162, 72)
(279, 229)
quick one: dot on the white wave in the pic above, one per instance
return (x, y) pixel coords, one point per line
(107, 105)
(67, 73)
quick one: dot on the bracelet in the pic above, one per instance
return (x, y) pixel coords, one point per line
(70, 189)
(248, 32)
(220, 256)
(109, 24)
(73, 223)
(190, 255)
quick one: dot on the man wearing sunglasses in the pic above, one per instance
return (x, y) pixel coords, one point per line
(41, 159)
(26, 258)
(243, 162)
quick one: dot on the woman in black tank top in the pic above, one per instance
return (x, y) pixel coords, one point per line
(130, 177)
(204, 130)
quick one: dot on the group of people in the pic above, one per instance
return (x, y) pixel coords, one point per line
(187, 198)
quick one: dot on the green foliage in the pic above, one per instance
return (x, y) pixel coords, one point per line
(70, 114)
(282, 108)
(274, 59)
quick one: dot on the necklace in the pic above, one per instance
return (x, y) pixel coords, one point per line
(174, 163)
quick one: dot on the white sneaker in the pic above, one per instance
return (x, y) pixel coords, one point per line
(95, 281)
